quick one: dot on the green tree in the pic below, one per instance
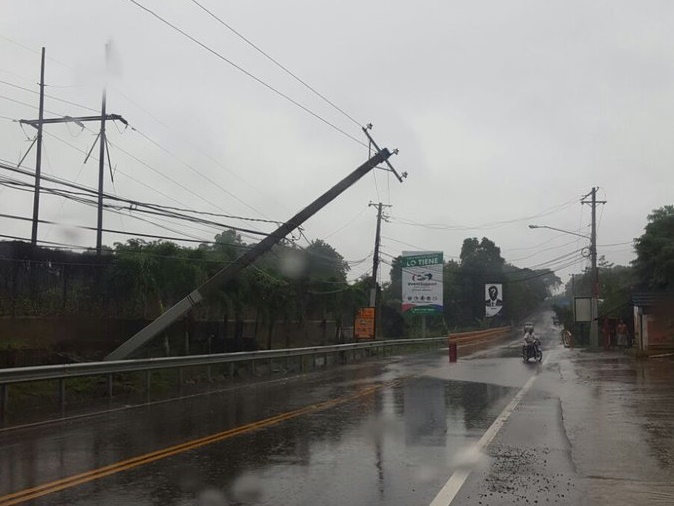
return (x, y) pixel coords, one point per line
(655, 251)
(481, 263)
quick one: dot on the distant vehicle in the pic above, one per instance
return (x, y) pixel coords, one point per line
(527, 326)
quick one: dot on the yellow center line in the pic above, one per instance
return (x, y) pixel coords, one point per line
(124, 465)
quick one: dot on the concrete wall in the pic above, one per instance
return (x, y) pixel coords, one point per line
(65, 339)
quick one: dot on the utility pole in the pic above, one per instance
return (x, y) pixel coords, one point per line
(79, 120)
(101, 175)
(374, 299)
(594, 303)
(225, 275)
(38, 157)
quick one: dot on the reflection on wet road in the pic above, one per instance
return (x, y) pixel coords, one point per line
(386, 432)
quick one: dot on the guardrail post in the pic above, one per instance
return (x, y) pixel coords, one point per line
(231, 370)
(62, 393)
(302, 364)
(181, 379)
(325, 360)
(4, 402)
(271, 366)
(148, 382)
(108, 380)
(209, 376)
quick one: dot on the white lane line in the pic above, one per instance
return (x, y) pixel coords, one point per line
(456, 481)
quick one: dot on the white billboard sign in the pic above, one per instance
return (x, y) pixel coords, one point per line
(422, 281)
(582, 309)
(493, 294)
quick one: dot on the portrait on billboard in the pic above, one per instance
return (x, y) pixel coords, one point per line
(494, 299)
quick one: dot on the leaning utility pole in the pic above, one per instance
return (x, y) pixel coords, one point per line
(594, 302)
(374, 299)
(38, 157)
(225, 275)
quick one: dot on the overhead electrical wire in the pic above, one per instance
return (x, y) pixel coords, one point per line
(132, 204)
(136, 180)
(192, 145)
(245, 72)
(545, 272)
(489, 225)
(538, 252)
(335, 232)
(276, 62)
(49, 96)
(199, 173)
(143, 135)
(155, 142)
(26, 104)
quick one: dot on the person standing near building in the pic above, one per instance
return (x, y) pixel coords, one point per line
(621, 335)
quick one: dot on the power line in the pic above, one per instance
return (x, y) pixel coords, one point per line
(276, 62)
(200, 174)
(27, 104)
(135, 158)
(192, 144)
(347, 223)
(133, 205)
(110, 230)
(538, 252)
(548, 271)
(70, 247)
(93, 157)
(50, 96)
(489, 225)
(244, 71)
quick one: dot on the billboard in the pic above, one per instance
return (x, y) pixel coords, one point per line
(493, 295)
(363, 326)
(422, 281)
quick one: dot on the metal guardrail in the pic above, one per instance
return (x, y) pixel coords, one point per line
(65, 371)
(109, 369)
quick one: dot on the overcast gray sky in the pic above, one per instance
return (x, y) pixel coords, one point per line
(505, 114)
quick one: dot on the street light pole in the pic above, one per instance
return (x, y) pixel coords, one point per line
(560, 230)
(594, 301)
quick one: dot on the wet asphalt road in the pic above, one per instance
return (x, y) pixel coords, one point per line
(593, 429)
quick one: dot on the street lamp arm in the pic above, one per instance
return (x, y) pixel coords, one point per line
(561, 230)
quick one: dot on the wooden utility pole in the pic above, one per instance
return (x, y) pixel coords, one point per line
(38, 157)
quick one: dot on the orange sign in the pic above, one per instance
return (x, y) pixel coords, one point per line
(363, 327)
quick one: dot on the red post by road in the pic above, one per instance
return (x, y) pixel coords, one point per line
(453, 351)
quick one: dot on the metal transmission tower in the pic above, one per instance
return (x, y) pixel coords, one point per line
(594, 304)
(79, 120)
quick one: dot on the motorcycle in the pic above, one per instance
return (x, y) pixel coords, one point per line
(532, 350)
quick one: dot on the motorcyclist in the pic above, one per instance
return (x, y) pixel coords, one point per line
(529, 341)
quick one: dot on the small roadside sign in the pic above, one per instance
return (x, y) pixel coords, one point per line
(363, 326)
